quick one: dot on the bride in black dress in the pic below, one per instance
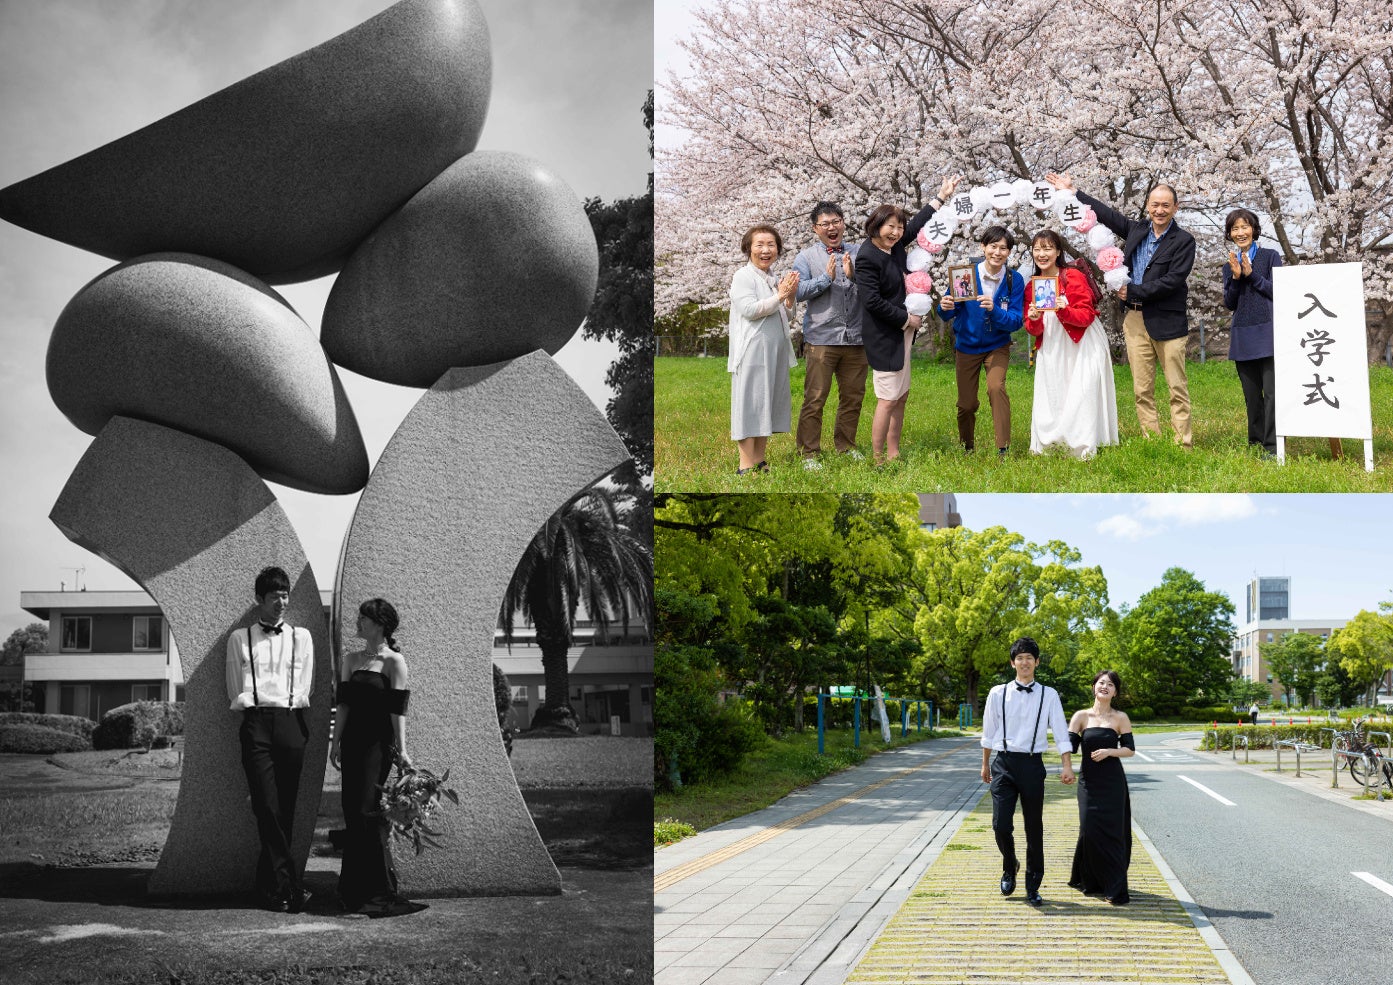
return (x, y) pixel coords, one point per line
(1104, 850)
(369, 738)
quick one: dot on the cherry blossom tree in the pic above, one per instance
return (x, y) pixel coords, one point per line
(1285, 108)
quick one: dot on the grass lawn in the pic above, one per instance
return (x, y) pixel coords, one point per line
(774, 770)
(694, 452)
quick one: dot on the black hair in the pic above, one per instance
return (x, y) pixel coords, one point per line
(1025, 645)
(993, 233)
(270, 580)
(1056, 240)
(748, 240)
(384, 614)
(825, 208)
(880, 216)
(1116, 683)
(1175, 198)
(1245, 215)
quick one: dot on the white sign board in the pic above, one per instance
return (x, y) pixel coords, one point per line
(1320, 350)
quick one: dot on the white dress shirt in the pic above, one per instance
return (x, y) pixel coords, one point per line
(273, 654)
(1024, 709)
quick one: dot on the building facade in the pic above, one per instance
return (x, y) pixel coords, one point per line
(107, 649)
(938, 511)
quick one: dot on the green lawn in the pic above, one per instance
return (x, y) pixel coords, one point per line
(772, 771)
(694, 452)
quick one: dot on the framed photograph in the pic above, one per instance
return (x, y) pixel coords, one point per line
(1044, 293)
(962, 282)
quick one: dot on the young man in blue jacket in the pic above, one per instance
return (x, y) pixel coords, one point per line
(982, 328)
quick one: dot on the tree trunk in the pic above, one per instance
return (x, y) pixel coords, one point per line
(556, 711)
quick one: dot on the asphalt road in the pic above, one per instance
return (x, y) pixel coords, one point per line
(1273, 869)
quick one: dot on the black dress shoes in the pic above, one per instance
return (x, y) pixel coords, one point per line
(1034, 898)
(296, 904)
(1008, 882)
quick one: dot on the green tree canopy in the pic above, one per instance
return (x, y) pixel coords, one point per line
(1364, 648)
(1297, 660)
(31, 639)
(1175, 644)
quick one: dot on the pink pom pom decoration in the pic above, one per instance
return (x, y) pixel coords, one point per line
(1109, 258)
(934, 247)
(918, 282)
(923, 241)
(1089, 220)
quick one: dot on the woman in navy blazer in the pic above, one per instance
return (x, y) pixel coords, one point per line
(887, 329)
(1248, 294)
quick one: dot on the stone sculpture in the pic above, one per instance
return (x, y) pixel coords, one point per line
(195, 376)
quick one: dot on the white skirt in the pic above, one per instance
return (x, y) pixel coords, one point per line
(1075, 398)
(761, 399)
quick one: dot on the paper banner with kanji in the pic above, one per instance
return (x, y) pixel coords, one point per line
(1319, 345)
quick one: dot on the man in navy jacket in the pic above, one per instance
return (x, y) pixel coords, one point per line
(1159, 255)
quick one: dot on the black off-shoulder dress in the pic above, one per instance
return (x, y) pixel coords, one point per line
(1104, 849)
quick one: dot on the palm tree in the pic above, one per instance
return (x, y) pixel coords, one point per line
(584, 554)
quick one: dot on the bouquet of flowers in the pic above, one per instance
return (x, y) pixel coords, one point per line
(409, 800)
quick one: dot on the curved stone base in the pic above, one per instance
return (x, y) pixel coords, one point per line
(193, 524)
(480, 463)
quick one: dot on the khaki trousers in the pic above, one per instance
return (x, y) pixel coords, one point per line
(1143, 354)
(847, 365)
(969, 366)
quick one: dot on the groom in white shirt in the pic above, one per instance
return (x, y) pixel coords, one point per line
(1014, 723)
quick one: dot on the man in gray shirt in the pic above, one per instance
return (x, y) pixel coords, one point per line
(831, 335)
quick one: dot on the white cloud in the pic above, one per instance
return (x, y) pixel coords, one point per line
(1124, 527)
(1190, 510)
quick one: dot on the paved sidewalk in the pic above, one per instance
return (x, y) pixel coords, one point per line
(779, 890)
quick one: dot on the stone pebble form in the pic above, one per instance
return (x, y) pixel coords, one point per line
(284, 173)
(359, 144)
(200, 346)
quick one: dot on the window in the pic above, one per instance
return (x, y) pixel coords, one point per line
(77, 633)
(147, 633)
(145, 692)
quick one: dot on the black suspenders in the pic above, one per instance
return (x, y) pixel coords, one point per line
(1038, 712)
(251, 659)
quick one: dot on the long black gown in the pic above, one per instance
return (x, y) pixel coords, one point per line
(367, 879)
(1104, 849)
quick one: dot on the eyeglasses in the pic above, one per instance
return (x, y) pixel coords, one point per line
(829, 223)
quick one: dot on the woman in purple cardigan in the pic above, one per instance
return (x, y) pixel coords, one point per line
(1248, 294)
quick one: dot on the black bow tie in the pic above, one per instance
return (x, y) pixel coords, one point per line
(276, 630)
(1027, 690)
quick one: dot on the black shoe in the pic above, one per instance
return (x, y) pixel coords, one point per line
(296, 904)
(273, 903)
(1001, 454)
(1008, 881)
(1034, 898)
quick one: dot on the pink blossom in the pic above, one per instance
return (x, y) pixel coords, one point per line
(1109, 258)
(919, 282)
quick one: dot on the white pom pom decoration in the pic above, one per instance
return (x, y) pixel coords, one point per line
(1041, 195)
(917, 258)
(1003, 196)
(1116, 278)
(1022, 189)
(981, 197)
(1067, 206)
(918, 304)
(1099, 237)
(938, 231)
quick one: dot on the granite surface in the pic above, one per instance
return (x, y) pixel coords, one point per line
(202, 347)
(192, 524)
(477, 466)
(493, 259)
(284, 173)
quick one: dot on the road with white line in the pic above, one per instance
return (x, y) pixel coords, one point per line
(1301, 889)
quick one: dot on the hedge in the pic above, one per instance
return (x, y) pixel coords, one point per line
(1262, 736)
(38, 739)
(72, 724)
(138, 725)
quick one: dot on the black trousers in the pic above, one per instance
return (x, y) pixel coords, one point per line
(1020, 776)
(1258, 377)
(273, 754)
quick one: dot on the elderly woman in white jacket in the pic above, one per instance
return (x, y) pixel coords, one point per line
(761, 402)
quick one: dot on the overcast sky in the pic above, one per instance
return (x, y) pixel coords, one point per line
(1334, 547)
(569, 82)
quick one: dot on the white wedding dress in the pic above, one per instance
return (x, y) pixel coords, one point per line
(1075, 399)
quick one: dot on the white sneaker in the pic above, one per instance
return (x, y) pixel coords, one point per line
(855, 455)
(811, 465)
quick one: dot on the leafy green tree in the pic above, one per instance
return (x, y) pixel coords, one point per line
(1176, 644)
(1364, 648)
(784, 650)
(970, 593)
(1243, 692)
(1296, 660)
(584, 553)
(1334, 686)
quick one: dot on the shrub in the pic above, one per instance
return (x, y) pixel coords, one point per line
(136, 725)
(1140, 713)
(72, 724)
(38, 739)
(1209, 713)
(666, 831)
(1262, 736)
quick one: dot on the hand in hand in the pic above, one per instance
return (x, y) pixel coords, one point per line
(1066, 776)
